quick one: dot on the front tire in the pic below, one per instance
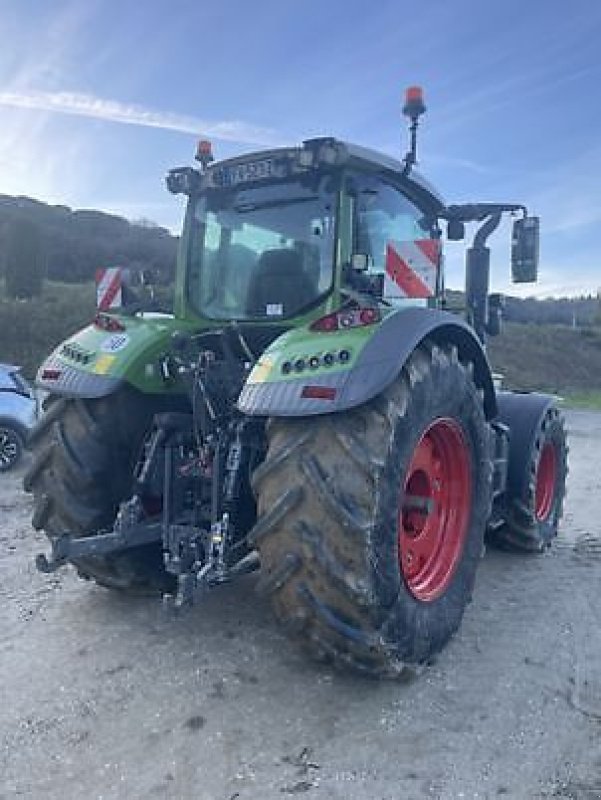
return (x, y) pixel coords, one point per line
(84, 452)
(367, 561)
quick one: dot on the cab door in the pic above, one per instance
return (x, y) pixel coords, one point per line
(394, 242)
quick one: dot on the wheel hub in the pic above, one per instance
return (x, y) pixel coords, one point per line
(8, 447)
(434, 514)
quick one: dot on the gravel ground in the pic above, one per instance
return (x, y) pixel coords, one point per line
(105, 697)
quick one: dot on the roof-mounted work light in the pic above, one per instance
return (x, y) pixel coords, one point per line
(204, 153)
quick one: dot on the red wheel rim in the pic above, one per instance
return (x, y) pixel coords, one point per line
(546, 478)
(434, 514)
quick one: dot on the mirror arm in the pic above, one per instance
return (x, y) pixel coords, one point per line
(476, 212)
(485, 230)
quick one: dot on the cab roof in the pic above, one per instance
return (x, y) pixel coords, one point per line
(390, 164)
(354, 155)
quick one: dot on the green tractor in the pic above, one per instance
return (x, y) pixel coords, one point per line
(310, 410)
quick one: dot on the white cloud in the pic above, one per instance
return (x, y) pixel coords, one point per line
(86, 105)
(30, 164)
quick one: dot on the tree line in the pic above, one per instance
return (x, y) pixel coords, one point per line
(39, 241)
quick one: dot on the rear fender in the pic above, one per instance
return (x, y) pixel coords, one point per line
(377, 356)
(522, 413)
(95, 363)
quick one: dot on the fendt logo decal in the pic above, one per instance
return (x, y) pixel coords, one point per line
(411, 268)
(108, 288)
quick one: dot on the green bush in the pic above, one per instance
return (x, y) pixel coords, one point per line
(30, 329)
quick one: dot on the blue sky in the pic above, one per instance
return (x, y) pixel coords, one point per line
(99, 98)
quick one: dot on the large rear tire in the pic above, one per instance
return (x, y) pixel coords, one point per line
(370, 523)
(84, 452)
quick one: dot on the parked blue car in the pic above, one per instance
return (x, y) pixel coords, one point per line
(18, 414)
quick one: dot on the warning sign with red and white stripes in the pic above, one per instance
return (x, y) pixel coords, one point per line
(108, 288)
(411, 268)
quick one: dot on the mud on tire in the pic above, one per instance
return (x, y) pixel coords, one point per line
(83, 459)
(330, 494)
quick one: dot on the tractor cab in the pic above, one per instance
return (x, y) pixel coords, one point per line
(290, 234)
(293, 233)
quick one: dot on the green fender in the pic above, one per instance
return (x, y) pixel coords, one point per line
(304, 372)
(95, 362)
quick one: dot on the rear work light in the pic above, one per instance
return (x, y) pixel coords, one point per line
(349, 318)
(108, 323)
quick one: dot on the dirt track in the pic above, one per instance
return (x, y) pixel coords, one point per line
(105, 697)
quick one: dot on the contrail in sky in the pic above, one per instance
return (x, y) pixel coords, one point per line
(85, 105)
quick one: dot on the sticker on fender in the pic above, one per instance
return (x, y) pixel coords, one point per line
(261, 370)
(115, 343)
(411, 268)
(103, 364)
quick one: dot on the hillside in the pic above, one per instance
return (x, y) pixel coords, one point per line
(78, 242)
(552, 358)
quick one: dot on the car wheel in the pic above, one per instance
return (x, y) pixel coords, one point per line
(11, 447)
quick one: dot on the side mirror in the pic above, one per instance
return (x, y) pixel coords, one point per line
(524, 250)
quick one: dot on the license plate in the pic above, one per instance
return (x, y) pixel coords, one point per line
(246, 173)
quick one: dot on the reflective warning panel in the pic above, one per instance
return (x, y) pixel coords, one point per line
(108, 288)
(411, 268)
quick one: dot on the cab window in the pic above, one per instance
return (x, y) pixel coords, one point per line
(383, 214)
(383, 218)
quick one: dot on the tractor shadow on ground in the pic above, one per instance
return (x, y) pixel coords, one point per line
(232, 625)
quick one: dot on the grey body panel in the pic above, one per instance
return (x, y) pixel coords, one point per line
(74, 382)
(379, 363)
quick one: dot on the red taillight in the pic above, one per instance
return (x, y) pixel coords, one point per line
(106, 323)
(325, 324)
(369, 316)
(318, 392)
(349, 318)
(51, 374)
